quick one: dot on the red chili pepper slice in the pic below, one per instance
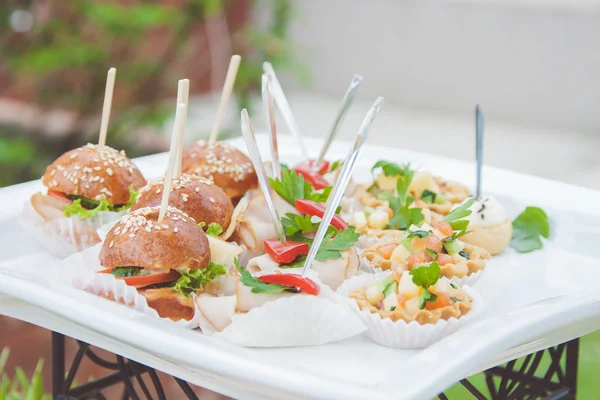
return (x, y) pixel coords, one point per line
(314, 177)
(305, 285)
(285, 253)
(323, 168)
(59, 195)
(312, 208)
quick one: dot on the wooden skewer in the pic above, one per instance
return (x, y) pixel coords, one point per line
(181, 109)
(183, 95)
(234, 64)
(108, 95)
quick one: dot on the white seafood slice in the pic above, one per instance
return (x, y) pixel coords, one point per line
(254, 224)
(217, 311)
(48, 207)
(246, 300)
(223, 252)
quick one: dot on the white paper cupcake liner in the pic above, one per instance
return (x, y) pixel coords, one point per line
(297, 320)
(400, 334)
(80, 270)
(469, 280)
(65, 236)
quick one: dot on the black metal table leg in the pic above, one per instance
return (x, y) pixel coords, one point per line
(58, 365)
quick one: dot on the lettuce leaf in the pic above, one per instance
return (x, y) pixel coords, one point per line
(191, 281)
(77, 209)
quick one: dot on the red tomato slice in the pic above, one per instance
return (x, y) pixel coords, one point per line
(318, 209)
(59, 195)
(146, 280)
(285, 253)
(305, 285)
(314, 177)
(323, 168)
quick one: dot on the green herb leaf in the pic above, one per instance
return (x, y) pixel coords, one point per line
(125, 272)
(454, 299)
(302, 224)
(403, 216)
(392, 308)
(419, 233)
(191, 281)
(428, 196)
(391, 169)
(464, 254)
(527, 229)
(259, 286)
(292, 187)
(336, 241)
(426, 275)
(335, 165)
(77, 207)
(455, 218)
(214, 229)
(426, 296)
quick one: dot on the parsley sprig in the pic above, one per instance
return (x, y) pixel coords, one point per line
(295, 225)
(292, 186)
(527, 229)
(426, 276)
(403, 216)
(94, 207)
(455, 218)
(391, 169)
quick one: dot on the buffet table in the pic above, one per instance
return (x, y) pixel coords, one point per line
(548, 319)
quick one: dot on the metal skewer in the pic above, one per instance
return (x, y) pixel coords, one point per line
(256, 158)
(479, 128)
(340, 186)
(284, 107)
(339, 118)
(269, 109)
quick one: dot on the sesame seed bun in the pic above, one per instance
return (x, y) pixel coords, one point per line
(226, 166)
(139, 241)
(92, 173)
(198, 197)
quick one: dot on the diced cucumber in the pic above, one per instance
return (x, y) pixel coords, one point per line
(373, 294)
(451, 245)
(440, 199)
(432, 254)
(390, 302)
(391, 288)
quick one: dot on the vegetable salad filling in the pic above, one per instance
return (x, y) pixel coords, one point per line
(415, 295)
(437, 243)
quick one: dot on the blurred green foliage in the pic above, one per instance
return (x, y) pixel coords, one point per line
(62, 62)
(21, 387)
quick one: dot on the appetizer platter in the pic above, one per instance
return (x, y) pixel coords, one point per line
(307, 273)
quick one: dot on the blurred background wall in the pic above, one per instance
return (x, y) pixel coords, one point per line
(534, 62)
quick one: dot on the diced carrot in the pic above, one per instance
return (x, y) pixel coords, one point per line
(417, 259)
(420, 203)
(397, 275)
(444, 259)
(386, 250)
(418, 244)
(389, 212)
(434, 243)
(444, 227)
(442, 300)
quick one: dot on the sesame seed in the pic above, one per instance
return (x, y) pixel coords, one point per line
(175, 229)
(212, 200)
(112, 242)
(109, 171)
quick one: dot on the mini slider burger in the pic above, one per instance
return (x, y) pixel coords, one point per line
(227, 167)
(161, 250)
(167, 261)
(196, 196)
(86, 188)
